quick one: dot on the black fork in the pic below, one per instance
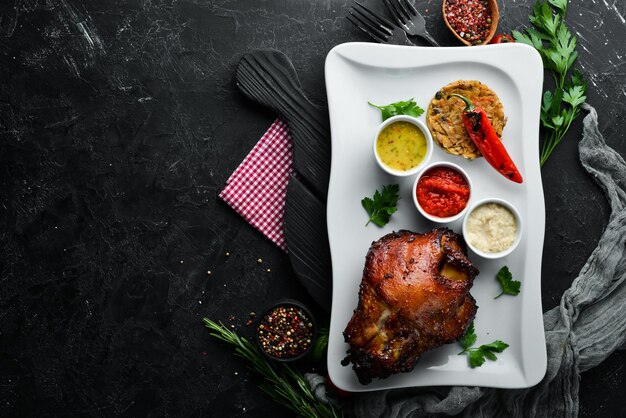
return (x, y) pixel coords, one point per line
(409, 19)
(376, 26)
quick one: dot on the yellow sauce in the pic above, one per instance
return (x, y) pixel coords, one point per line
(401, 146)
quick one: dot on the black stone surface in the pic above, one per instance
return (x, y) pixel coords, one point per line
(119, 124)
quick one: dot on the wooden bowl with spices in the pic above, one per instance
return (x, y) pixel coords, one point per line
(473, 22)
(285, 332)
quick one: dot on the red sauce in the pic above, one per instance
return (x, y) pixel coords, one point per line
(442, 192)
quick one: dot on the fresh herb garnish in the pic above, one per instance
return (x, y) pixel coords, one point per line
(285, 385)
(551, 37)
(468, 339)
(509, 286)
(320, 345)
(476, 356)
(382, 205)
(407, 107)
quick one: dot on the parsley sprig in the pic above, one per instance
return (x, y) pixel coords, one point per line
(382, 205)
(551, 37)
(284, 384)
(406, 107)
(476, 356)
(509, 286)
(468, 339)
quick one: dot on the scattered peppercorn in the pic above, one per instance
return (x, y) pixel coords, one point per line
(470, 19)
(285, 332)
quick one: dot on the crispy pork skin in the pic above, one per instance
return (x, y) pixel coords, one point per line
(414, 296)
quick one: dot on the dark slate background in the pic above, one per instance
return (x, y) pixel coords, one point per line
(120, 123)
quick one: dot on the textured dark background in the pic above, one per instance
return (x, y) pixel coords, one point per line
(119, 124)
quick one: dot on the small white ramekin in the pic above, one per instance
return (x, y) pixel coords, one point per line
(518, 220)
(437, 218)
(429, 145)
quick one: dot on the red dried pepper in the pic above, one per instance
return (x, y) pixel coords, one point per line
(487, 141)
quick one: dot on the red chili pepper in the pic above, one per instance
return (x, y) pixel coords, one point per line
(487, 141)
(501, 39)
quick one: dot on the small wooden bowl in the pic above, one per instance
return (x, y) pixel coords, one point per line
(495, 17)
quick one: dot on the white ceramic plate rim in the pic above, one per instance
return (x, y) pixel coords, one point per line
(523, 68)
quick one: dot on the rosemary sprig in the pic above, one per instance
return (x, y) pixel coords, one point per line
(551, 37)
(285, 385)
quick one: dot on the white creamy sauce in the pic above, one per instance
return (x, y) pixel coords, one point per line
(491, 228)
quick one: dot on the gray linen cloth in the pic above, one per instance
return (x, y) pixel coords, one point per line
(587, 326)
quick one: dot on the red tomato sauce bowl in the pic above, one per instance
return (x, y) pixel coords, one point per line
(442, 192)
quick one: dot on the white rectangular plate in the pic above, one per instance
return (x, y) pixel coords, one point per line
(360, 72)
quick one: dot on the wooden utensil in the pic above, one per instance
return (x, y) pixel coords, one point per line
(495, 17)
(269, 78)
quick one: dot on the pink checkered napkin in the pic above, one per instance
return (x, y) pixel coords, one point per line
(257, 188)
